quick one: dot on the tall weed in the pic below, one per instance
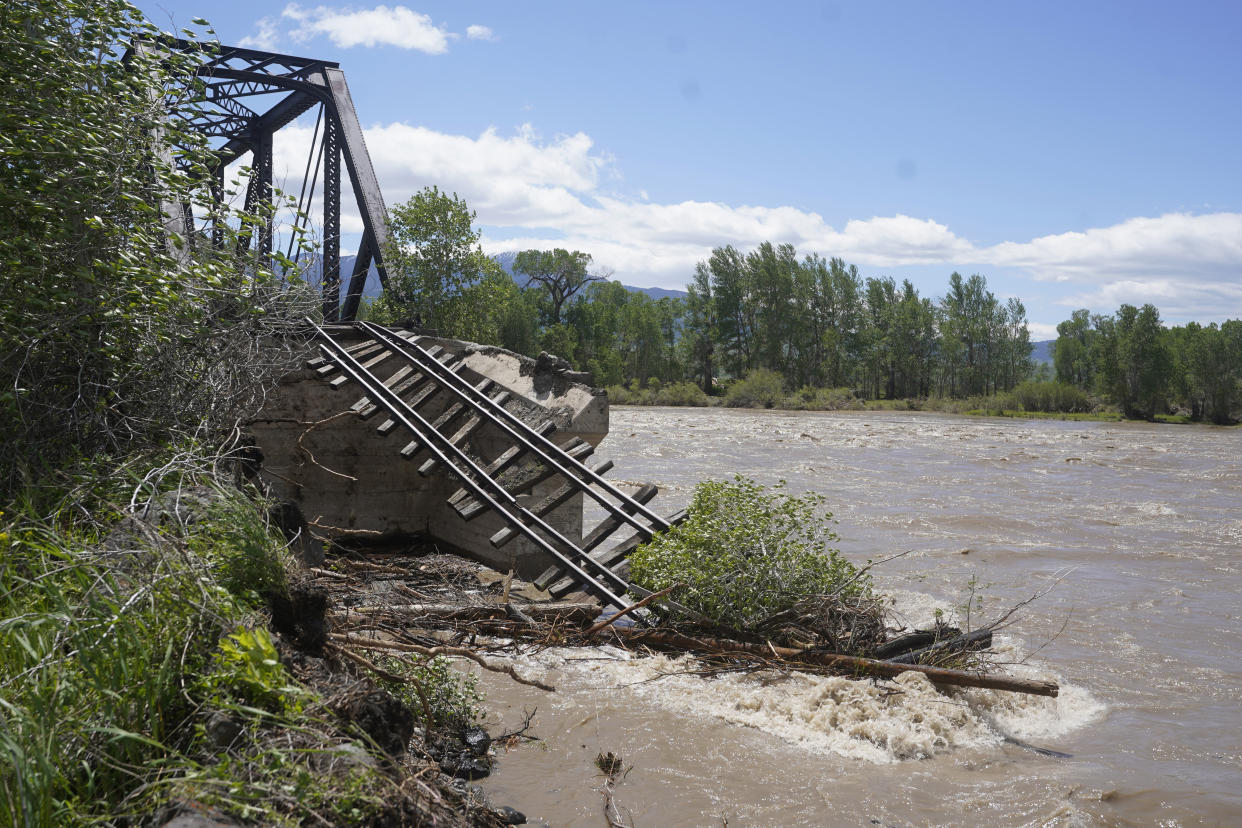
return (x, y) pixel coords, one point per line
(102, 628)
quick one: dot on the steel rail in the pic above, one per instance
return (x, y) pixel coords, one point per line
(547, 451)
(521, 521)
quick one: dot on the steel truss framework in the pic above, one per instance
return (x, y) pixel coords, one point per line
(232, 115)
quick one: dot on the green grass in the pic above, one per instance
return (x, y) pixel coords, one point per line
(101, 626)
(1098, 416)
(119, 643)
(842, 399)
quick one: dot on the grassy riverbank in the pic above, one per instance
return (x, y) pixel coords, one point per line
(1029, 400)
(159, 656)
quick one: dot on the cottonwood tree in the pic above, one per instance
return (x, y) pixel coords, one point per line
(1074, 353)
(700, 331)
(1208, 368)
(1134, 363)
(623, 334)
(735, 309)
(432, 255)
(561, 273)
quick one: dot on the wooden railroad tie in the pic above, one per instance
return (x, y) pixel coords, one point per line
(527, 462)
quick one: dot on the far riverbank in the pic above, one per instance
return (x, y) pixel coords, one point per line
(1030, 399)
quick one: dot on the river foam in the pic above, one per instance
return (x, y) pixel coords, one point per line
(873, 721)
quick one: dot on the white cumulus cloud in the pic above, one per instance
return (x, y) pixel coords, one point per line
(1189, 266)
(264, 36)
(533, 192)
(380, 26)
(517, 180)
(1168, 245)
(477, 32)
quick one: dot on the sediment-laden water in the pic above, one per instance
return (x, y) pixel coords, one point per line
(1137, 528)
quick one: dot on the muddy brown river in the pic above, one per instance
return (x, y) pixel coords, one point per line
(1136, 528)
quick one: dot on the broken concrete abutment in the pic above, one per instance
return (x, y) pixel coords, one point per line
(359, 473)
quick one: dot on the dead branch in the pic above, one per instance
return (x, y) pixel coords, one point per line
(980, 638)
(366, 663)
(509, 737)
(865, 569)
(340, 530)
(547, 613)
(311, 427)
(655, 596)
(1057, 578)
(328, 573)
(367, 566)
(431, 652)
(860, 667)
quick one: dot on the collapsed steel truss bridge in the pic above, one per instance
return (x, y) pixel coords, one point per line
(235, 82)
(248, 96)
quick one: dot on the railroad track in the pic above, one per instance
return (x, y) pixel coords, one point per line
(423, 378)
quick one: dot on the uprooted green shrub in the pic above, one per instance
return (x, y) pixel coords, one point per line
(747, 553)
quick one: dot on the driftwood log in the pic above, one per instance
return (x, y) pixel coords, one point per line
(579, 613)
(979, 639)
(859, 667)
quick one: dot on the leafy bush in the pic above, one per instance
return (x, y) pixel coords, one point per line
(761, 389)
(1050, 396)
(681, 393)
(746, 553)
(676, 393)
(442, 696)
(809, 398)
(116, 329)
(960, 405)
(620, 395)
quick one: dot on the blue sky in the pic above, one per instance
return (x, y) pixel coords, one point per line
(1075, 154)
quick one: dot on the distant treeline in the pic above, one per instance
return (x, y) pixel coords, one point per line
(1145, 368)
(819, 324)
(794, 325)
(813, 321)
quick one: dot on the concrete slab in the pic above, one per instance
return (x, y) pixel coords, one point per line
(351, 481)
